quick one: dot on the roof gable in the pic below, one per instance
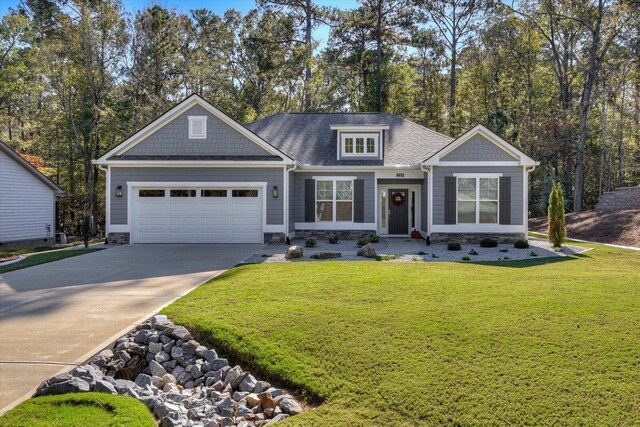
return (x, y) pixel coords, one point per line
(167, 136)
(480, 145)
(26, 165)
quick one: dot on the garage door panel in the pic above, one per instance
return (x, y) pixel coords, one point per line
(197, 219)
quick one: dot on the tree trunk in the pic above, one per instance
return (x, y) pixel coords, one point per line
(309, 47)
(585, 105)
(620, 180)
(452, 94)
(378, 88)
(603, 149)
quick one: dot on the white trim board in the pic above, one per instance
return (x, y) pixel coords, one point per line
(329, 225)
(174, 113)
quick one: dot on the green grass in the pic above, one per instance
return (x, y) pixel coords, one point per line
(81, 409)
(534, 342)
(36, 259)
(29, 250)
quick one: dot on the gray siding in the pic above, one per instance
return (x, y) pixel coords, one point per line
(297, 208)
(273, 176)
(478, 148)
(27, 205)
(292, 188)
(515, 172)
(173, 139)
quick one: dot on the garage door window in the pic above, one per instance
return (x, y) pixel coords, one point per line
(213, 193)
(245, 193)
(151, 193)
(182, 193)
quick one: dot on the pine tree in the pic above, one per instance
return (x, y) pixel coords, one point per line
(557, 231)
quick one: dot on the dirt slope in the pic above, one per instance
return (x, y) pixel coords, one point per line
(618, 227)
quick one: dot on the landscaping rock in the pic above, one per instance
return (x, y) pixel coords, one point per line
(367, 251)
(69, 385)
(290, 406)
(294, 252)
(103, 386)
(160, 322)
(326, 255)
(182, 382)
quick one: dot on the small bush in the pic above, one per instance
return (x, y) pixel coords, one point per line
(533, 253)
(504, 250)
(333, 239)
(473, 252)
(362, 241)
(466, 258)
(373, 238)
(507, 258)
(434, 256)
(488, 243)
(521, 244)
(453, 246)
(311, 242)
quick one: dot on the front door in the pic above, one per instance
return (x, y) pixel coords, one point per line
(398, 211)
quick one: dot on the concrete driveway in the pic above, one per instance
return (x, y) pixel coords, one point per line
(54, 316)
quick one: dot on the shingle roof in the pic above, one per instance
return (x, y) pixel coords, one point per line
(308, 138)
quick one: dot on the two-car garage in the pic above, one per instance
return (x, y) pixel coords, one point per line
(184, 214)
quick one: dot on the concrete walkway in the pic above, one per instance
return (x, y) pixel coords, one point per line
(54, 316)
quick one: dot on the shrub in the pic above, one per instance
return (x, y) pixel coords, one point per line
(473, 252)
(333, 239)
(434, 256)
(488, 243)
(453, 246)
(504, 250)
(533, 253)
(311, 242)
(373, 238)
(466, 258)
(362, 241)
(555, 214)
(521, 244)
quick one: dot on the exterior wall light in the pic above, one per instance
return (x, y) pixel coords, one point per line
(119, 191)
(274, 192)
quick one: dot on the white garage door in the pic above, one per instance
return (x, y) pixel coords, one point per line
(196, 215)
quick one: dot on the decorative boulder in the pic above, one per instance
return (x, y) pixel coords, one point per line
(326, 255)
(294, 252)
(367, 251)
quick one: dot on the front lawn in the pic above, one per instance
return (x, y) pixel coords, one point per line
(43, 258)
(536, 342)
(83, 409)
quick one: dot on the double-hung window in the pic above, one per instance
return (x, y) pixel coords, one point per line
(365, 144)
(477, 200)
(334, 200)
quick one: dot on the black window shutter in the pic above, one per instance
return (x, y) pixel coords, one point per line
(358, 200)
(309, 200)
(449, 199)
(505, 200)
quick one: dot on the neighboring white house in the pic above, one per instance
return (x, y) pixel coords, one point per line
(27, 202)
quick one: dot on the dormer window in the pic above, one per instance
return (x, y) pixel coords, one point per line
(197, 127)
(360, 144)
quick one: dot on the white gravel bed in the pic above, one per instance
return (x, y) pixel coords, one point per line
(538, 248)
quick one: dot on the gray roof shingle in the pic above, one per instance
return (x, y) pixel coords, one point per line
(308, 138)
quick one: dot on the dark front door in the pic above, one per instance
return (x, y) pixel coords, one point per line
(399, 211)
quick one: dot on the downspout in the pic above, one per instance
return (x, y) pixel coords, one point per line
(286, 203)
(106, 201)
(528, 170)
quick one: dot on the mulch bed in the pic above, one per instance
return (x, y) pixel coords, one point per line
(617, 227)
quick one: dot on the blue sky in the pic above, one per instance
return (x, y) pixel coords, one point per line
(217, 6)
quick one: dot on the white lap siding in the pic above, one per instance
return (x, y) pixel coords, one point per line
(27, 205)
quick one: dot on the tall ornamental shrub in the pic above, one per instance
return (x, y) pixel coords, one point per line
(557, 231)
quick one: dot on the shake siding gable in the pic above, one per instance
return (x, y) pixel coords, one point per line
(478, 149)
(173, 139)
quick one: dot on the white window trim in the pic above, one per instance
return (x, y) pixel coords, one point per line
(374, 135)
(204, 127)
(477, 200)
(333, 179)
